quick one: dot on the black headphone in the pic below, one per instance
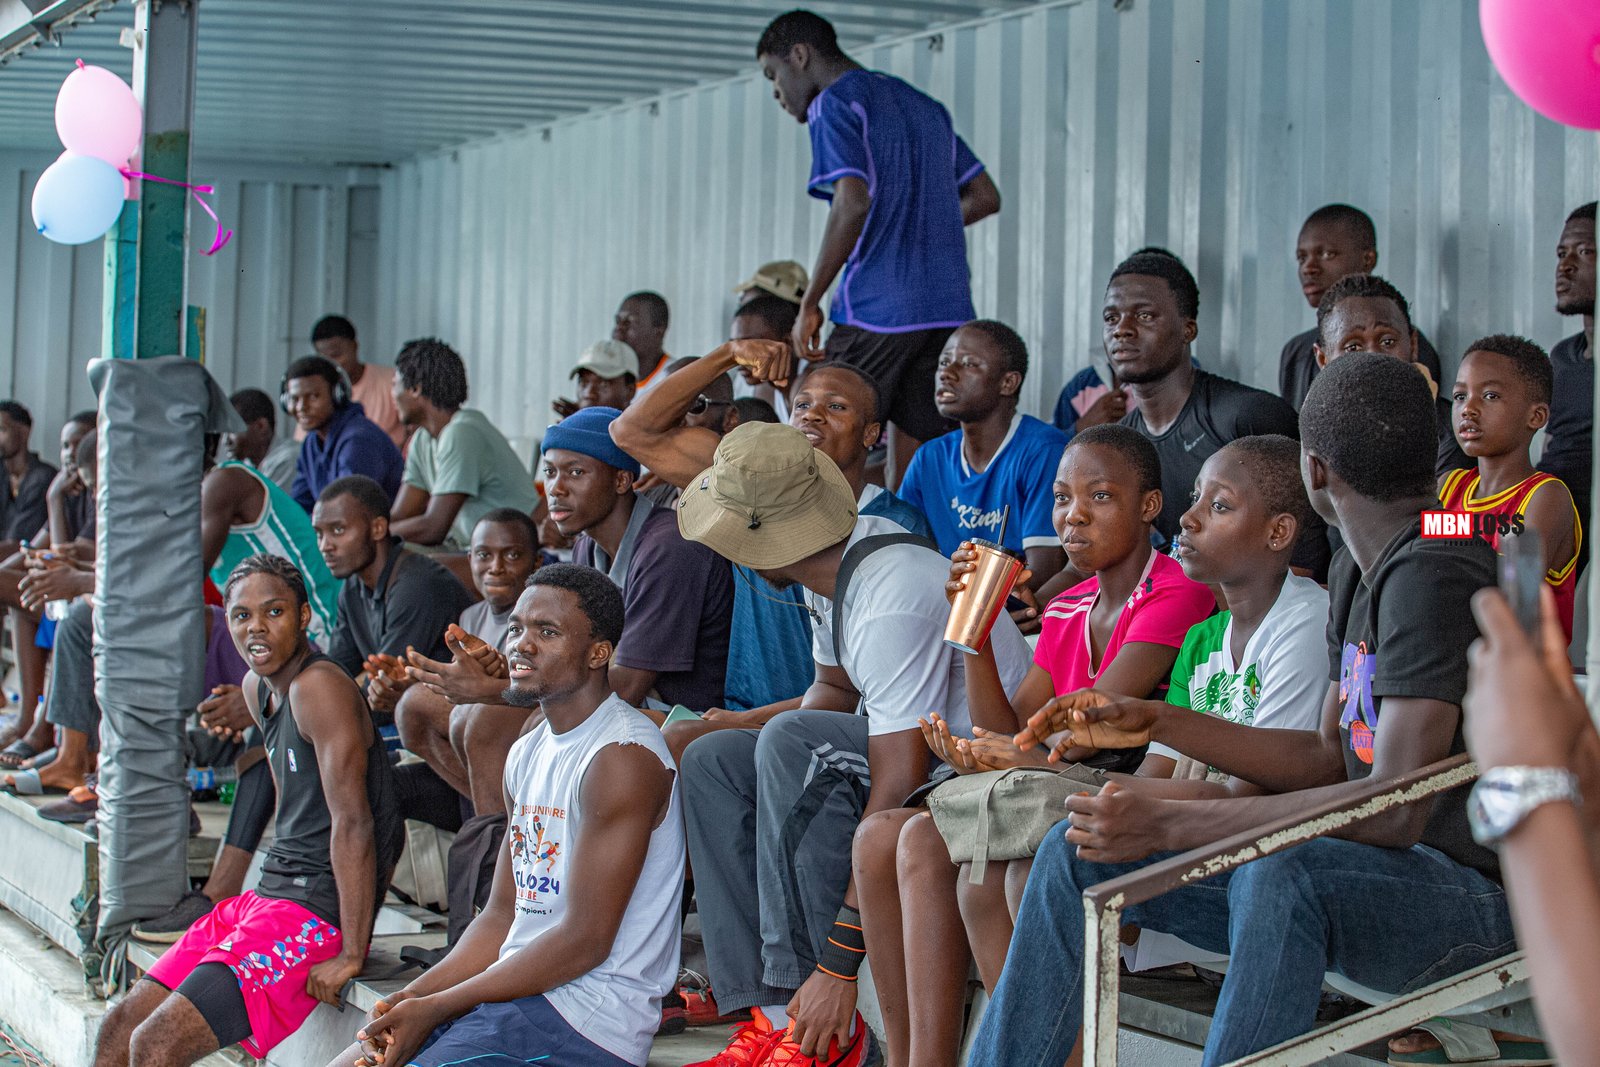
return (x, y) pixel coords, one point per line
(341, 388)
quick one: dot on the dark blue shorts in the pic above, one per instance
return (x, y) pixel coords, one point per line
(519, 1032)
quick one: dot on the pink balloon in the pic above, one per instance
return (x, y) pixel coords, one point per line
(1548, 51)
(97, 115)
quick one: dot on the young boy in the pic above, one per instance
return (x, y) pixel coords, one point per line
(1262, 662)
(1500, 400)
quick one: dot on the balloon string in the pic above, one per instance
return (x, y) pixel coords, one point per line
(222, 237)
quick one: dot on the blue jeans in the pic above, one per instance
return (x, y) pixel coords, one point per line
(1391, 919)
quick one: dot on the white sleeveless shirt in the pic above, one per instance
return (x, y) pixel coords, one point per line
(618, 1004)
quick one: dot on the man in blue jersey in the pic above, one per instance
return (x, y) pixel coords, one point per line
(901, 185)
(991, 479)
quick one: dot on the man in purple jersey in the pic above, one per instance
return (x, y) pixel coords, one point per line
(901, 185)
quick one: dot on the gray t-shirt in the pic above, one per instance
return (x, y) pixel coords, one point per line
(481, 621)
(470, 457)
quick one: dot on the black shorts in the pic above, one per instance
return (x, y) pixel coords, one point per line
(904, 365)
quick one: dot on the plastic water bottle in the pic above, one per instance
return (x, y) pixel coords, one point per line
(202, 778)
(56, 610)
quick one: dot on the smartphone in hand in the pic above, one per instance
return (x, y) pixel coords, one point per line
(1522, 575)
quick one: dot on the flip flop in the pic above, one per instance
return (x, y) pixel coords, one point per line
(1466, 1043)
(25, 783)
(14, 755)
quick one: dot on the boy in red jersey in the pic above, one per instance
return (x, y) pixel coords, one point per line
(1501, 398)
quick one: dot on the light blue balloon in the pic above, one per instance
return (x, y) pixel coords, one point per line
(77, 199)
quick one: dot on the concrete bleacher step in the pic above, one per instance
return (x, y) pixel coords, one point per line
(42, 995)
(62, 866)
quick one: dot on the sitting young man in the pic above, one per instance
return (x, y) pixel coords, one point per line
(991, 478)
(1336, 240)
(252, 970)
(66, 492)
(340, 440)
(393, 599)
(606, 374)
(447, 719)
(1148, 323)
(258, 444)
(678, 595)
(771, 813)
(458, 466)
(567, 964)
(1364, 313)
(837, 408)
(371, 385)
(1399, 628)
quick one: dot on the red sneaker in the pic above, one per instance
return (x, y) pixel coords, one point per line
(700, 1004)
(856, 1052)
(750, 1045)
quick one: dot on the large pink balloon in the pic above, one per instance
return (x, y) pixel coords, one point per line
(1548, 51)
(97, 115)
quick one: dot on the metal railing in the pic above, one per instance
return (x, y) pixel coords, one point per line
(1104, 904)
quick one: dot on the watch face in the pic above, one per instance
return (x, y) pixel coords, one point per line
(1493, 810)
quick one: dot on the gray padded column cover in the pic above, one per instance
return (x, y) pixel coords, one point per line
(149, 624)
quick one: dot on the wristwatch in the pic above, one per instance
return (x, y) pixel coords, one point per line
(1504, 796)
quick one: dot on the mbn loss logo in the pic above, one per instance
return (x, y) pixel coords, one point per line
(1465, 525)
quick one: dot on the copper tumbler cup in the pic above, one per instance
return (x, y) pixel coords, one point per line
(974, 610)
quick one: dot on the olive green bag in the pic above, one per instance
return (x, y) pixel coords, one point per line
(1004, 815)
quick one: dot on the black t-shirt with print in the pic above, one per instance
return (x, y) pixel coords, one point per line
(1403, 630)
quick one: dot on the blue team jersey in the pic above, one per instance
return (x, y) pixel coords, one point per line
(961, 503)
(909, 269)
(769, 653)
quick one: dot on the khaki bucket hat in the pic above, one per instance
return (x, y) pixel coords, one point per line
(768, 499)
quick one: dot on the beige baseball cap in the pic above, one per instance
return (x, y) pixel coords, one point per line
(782, 278)
(608, 359)
(768, 499)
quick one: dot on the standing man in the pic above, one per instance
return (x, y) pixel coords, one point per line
(254, 968)
(459, 466)
(372, 386)
(902, 185)
(1335, 240)
(1567, 448)
(340, 440)
(641, 324)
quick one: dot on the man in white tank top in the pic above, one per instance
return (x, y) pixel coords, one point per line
(568, 962)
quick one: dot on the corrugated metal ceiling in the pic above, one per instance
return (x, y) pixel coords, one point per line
(376, 81)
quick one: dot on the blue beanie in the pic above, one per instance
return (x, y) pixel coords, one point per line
(587, 432)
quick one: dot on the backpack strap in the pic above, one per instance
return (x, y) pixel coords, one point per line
(847, 569)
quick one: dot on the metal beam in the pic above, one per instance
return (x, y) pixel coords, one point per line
(28, 24)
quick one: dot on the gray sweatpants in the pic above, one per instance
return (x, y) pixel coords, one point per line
(71, 701)
(771, 815)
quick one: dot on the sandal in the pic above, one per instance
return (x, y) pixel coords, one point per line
(26, 783)
(1460, 1042)
(14, 755)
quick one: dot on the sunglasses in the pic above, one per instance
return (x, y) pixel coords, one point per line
(702, 403)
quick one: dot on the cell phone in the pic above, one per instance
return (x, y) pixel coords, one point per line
(1521, 575)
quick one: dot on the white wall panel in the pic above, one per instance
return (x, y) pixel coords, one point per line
(305, 244)
(1208, 126)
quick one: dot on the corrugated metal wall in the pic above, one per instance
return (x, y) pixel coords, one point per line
(1208, 126)
(305, 243)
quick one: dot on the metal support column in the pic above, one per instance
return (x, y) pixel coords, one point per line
(147, 288)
